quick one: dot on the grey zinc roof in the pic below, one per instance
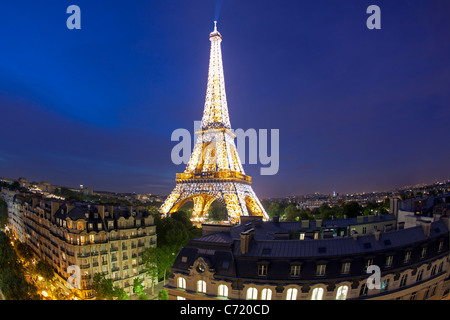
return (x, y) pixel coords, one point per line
(340, 246)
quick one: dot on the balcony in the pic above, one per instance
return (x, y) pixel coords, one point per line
(213, 176)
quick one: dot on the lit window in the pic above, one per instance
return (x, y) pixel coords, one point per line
(291, 294)
(223, 291)
(342, 293)
(181, 298)
(266, 294)
(252, 293)
(201, 286)
(317, 294)
(181, 283)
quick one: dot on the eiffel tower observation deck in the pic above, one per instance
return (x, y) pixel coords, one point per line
(214, 170)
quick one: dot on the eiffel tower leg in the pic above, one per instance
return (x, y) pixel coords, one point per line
(201, 207)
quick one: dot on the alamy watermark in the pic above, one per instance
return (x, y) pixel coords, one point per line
(258, 147)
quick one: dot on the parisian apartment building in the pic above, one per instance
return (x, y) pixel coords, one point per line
(108, 239)
(398, 256)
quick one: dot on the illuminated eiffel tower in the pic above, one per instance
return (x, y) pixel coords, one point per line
(214, 171)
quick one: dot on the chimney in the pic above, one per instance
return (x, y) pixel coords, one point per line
(393, 209)
(318, 223)
(426, 226)
(70, 206)
(54, 206)
(376, 233)
(246, 237)
(34, 202)
(305, 223)
(370, 218)
(111, 210)
(101, 211)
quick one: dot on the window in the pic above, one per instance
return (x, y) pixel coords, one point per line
(368, 263)
(262, 269)
(441, 266)
(252, 293)
(363, 290)
(419, 275)
(433, 290)
(345, 267)
(181, 283)
(80, 226)
(291, 294)
(364, 230)
(413, 296)
(433, 270)
(423, 253)
(302, 236)
(181, 298)
(407, 256)
(295, 270)
(403, 280)
(342, 293)
(201, 286)
(389, 260)
(317, 294)
(91, 238)
(320, 269)
(222, 291)
(385, 285)
(441, 245)
(266, 294)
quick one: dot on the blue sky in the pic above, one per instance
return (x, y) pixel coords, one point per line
(357, 109)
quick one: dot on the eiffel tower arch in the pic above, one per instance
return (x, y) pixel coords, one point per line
(214, 170)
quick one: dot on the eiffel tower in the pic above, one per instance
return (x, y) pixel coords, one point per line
(214, 170)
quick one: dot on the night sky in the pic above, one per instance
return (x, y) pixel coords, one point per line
(358, 110)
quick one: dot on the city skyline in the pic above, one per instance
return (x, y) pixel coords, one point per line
(358, 110)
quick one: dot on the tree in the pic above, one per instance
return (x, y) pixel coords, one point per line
(275, 209)
(291, 213)
(163, 295)
(158, 261)
(138, 288)
(24, 251)
(3, 213)
(351, 209)
(217, 211)
(45, 270)
(104, 288)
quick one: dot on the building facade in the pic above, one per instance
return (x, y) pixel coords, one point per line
(259, 260)
(96, 238)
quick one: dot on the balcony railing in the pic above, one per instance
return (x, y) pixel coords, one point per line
(217, 175)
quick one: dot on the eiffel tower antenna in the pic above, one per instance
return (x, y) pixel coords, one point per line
(214, 171)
